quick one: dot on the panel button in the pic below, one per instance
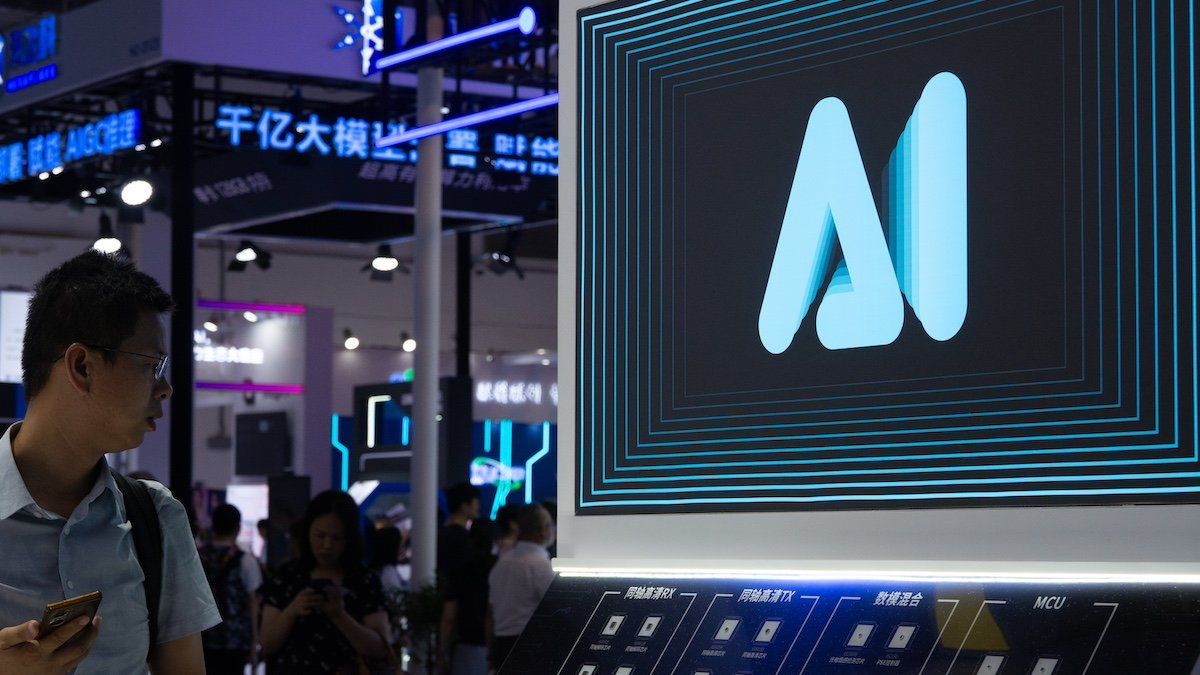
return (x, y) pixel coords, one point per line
(726, 630)
(588, 669)
(990, 664)
(767, 632)
(1045, 666)
(862, 633)
(901, 637)
(649, 626)
(702, 672)
(613, 625)
(624, 670)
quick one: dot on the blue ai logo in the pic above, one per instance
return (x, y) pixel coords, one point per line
(925, 256)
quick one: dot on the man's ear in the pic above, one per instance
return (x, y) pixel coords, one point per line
(80, 368)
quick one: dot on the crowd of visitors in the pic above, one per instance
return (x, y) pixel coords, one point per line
(338, 605)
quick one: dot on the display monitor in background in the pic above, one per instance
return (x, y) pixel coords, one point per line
(251, 500)
(14, 306)
(264, 444)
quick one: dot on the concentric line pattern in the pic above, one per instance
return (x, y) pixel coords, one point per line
(1113, 420)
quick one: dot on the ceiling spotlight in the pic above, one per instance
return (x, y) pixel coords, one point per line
(249, 253)
(246, 252)
(383, 264)
(57, 170)
(139, 147)
(156, 142)
(351, 341)
(101, 190)
(545, 362)
(407, 344)
(500, 262)
(84, 194)
(491, 355)
(445, 110)
(384, 260)
(107, 241)
(541, 351)
(43, 175)
(250, 316)
(210, 326)
(136, 192)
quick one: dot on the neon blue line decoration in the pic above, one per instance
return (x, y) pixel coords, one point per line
(404, 429)
(504, 487)
(337, 444)
(504, 111)
(487, 436)
(525, 22)
(533, 460)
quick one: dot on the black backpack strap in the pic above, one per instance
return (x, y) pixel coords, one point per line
(147, 541)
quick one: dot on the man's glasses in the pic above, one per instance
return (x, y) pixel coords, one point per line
(160, 368)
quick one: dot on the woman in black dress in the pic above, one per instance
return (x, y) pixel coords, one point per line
(325, 610)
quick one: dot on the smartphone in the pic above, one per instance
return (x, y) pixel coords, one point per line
(59, 614)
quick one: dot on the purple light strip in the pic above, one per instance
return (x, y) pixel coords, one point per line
(251, 306)
(289, 389)
(526, 22)
(471, 120)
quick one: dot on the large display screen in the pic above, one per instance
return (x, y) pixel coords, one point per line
(885, 254)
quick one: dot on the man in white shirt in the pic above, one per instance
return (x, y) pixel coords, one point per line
(94, 365)
(519, 580)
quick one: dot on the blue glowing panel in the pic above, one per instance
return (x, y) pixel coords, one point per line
(514, 463)
(869, 255)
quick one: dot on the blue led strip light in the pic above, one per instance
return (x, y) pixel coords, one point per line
(602, 396)
(533, 460)
(525, 22)
(504, 482)
(345, 452)
(474, 119)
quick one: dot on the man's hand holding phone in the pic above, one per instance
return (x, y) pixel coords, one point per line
(59, 652)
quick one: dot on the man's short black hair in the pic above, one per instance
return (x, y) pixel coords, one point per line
(226, 520)
(92, 298)
(459, 494)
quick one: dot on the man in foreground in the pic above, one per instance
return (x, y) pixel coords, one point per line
(94, 372)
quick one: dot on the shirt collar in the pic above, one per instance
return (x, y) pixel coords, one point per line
(530, 547)
(14, 495)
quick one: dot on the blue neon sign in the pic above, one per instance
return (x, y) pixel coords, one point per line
(356, 138)
(29, 46)
(33, 77)
(46, 152)
(34, 43)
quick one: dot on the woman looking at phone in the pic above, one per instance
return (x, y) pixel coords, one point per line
(325, 610)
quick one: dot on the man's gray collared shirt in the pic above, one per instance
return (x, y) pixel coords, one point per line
(45, 558)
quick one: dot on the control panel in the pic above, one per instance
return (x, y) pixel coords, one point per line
(619, 626)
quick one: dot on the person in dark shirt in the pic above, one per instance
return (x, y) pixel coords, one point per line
(324, 610)
(454, 542)
(463, 636)
(234, 577)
